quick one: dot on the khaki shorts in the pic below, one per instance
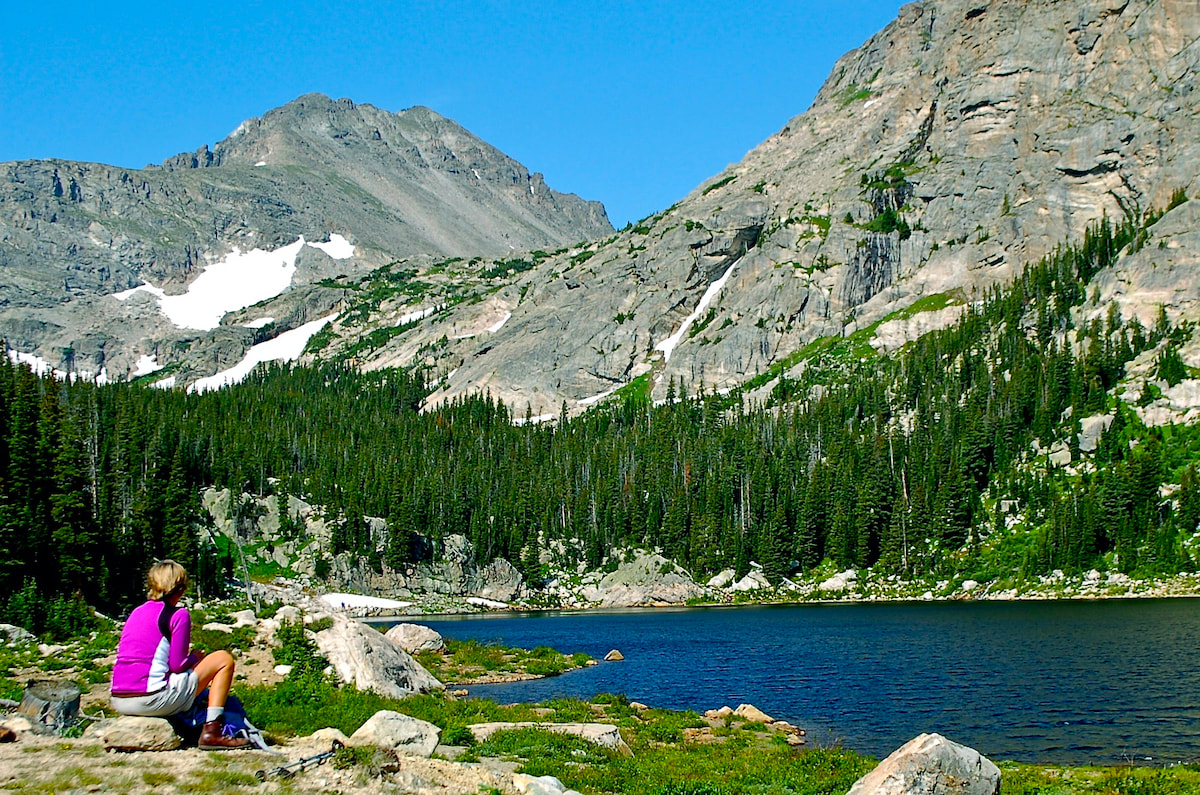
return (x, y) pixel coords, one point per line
(176, 697)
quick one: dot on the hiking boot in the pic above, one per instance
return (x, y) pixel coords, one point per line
(212, 738)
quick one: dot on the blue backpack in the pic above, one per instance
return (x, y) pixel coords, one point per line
(190, 722)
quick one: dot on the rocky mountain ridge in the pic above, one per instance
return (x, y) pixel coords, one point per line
(377, 186)
(962, 141)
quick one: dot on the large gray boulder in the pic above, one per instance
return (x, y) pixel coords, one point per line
(399, 732)
(138, 734)
(929, 764)
(363, 657)
(414, 638)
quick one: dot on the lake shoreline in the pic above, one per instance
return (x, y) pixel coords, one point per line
(1065, 682)
(1184, 586)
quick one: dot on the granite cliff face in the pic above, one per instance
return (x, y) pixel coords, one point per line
(963, 140)
(386, 185)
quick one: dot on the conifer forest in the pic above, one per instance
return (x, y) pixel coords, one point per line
(918, 462)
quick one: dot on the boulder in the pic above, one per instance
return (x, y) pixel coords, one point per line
(244, 618)
(366, 659)
(755, 580)
(414, 638)
(929, 764)
(752, 713)
(398, 732)
(129, 733)
(614, 656)
(722, 579)
(327, 736)
(213, 626)
(723, 712)
(13, 635)
(539, 785)
(839, 582)
(18, 723)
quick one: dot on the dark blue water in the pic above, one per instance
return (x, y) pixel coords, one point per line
(1055, 682)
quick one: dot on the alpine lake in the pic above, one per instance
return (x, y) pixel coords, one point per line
(1057, 682)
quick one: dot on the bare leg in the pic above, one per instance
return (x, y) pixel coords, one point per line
(215, 672)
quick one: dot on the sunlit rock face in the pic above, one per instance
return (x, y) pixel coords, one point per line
(960, 142)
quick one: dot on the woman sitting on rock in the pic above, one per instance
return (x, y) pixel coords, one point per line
(157, 674)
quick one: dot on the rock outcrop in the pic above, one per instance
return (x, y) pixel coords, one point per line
(364, 658)
(929, 764)
(13, 635)
(646, 580)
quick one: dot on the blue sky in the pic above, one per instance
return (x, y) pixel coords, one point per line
(630, 104)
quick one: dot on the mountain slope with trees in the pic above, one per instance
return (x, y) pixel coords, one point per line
(961, 454)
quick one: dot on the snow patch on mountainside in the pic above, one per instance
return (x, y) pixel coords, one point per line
(145, 366)
(42, 367)
(667, 346)
(287, 347)
(239, 280)
(499, 324)
(589, 401)
(338, 247)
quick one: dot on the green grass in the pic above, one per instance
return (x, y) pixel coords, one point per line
(157, 778)
(734, 766)
(928, 303)
(1044, 780)
(543, 752)
(719, 184)
(219, 781)
(638, 389)
(853, 93)
(469, 660)
(74, 778)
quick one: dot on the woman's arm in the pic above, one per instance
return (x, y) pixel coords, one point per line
(180, 656)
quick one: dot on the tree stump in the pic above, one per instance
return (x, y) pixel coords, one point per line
(51, 705)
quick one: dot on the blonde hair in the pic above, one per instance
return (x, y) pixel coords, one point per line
(165, 579)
